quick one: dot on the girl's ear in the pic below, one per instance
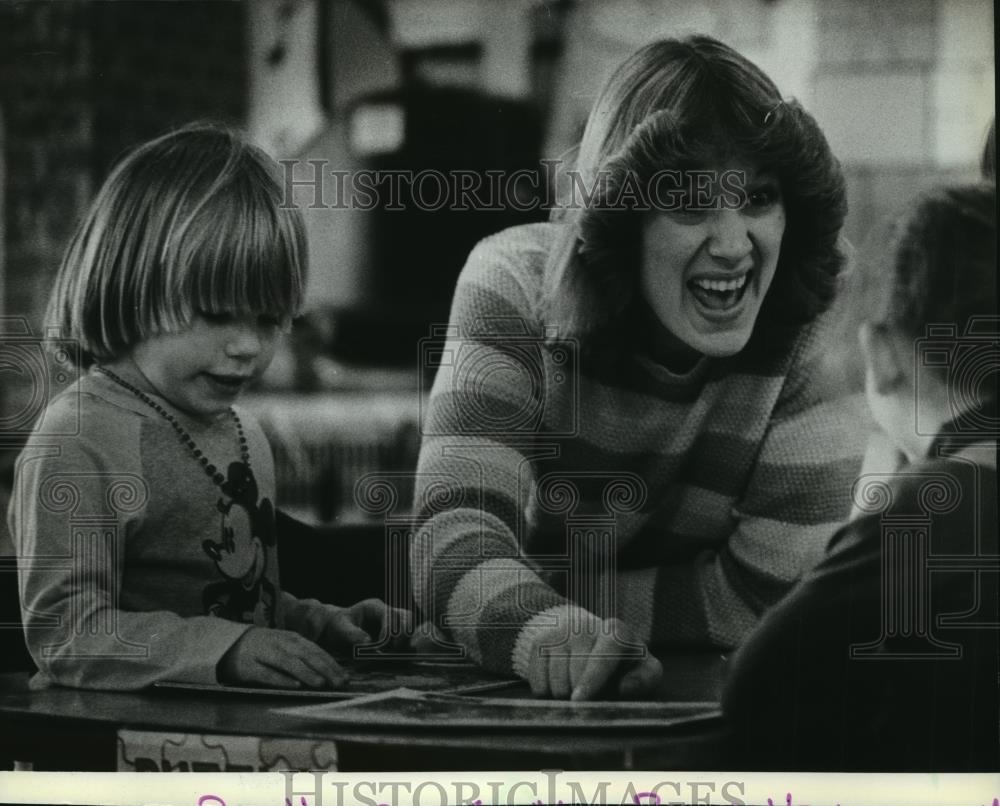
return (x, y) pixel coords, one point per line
(881, 358)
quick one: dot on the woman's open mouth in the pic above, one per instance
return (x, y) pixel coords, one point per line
(719, 295)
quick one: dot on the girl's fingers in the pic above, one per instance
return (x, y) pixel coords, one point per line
(401, 626)
(370, 615)
(327, 668)
(308, 661)
(342, 629)
(302, 672)
(373, 619)
(427, 639)
(264, 675)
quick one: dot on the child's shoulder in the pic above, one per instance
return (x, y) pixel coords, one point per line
(87, 411)
(950, 478)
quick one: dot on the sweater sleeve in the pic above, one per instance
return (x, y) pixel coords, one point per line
(71, 514)
(475, 473)
(797, 496)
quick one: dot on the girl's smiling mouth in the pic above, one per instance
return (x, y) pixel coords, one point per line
(231, 384)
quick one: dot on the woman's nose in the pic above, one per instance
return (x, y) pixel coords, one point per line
(729, 238)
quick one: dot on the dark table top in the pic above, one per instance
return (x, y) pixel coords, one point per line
(36, 722)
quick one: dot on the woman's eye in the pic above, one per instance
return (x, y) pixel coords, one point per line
(270, 321)
(763, 197)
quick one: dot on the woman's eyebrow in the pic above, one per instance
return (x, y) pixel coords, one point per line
(761, 175)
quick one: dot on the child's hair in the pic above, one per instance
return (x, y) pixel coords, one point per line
(945, 265)
(685, 104)
(192, 221)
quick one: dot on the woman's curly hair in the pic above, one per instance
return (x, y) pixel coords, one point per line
(680, 105)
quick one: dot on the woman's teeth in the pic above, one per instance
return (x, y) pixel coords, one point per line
(719, 295)
(721, 285)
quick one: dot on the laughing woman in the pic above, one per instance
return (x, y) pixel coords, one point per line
(630, 442)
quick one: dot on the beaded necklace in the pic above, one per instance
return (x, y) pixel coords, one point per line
(213, 473)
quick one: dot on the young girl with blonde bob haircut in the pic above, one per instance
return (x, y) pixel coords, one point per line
(146, 539)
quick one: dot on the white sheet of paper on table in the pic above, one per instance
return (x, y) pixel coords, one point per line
(407, 708)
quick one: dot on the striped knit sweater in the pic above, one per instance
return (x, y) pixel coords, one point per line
(684, 505)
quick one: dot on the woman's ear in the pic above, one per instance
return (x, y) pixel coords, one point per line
(881, 358)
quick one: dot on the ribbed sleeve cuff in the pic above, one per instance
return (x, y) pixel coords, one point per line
(549, 628)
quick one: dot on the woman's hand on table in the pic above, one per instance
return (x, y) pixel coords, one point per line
(601, 661)
(263, 656)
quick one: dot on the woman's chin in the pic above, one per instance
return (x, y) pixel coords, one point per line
(721, 345)
(719, 333)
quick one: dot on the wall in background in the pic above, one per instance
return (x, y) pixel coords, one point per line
(79, 83)
(283, 91)
(3, 209)
(46, 70)
(903, 88)
(82, 81)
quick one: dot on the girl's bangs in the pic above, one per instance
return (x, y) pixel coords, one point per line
(241, 254)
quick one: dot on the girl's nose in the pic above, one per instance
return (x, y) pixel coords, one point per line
(244, 341)
(729, 238)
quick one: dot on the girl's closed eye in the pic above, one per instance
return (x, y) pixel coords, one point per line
(273, 321)
(216, 317)
(263, 321)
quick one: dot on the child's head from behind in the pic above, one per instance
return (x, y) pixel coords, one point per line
(187, 237)
(925, 357)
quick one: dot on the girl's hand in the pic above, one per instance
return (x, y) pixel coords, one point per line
(367, 622)
(429, 640)
(596, 663)
(278, 658)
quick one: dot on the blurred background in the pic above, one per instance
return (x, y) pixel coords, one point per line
(904, 90)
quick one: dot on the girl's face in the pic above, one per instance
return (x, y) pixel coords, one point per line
(203, 369)
(705, 272)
